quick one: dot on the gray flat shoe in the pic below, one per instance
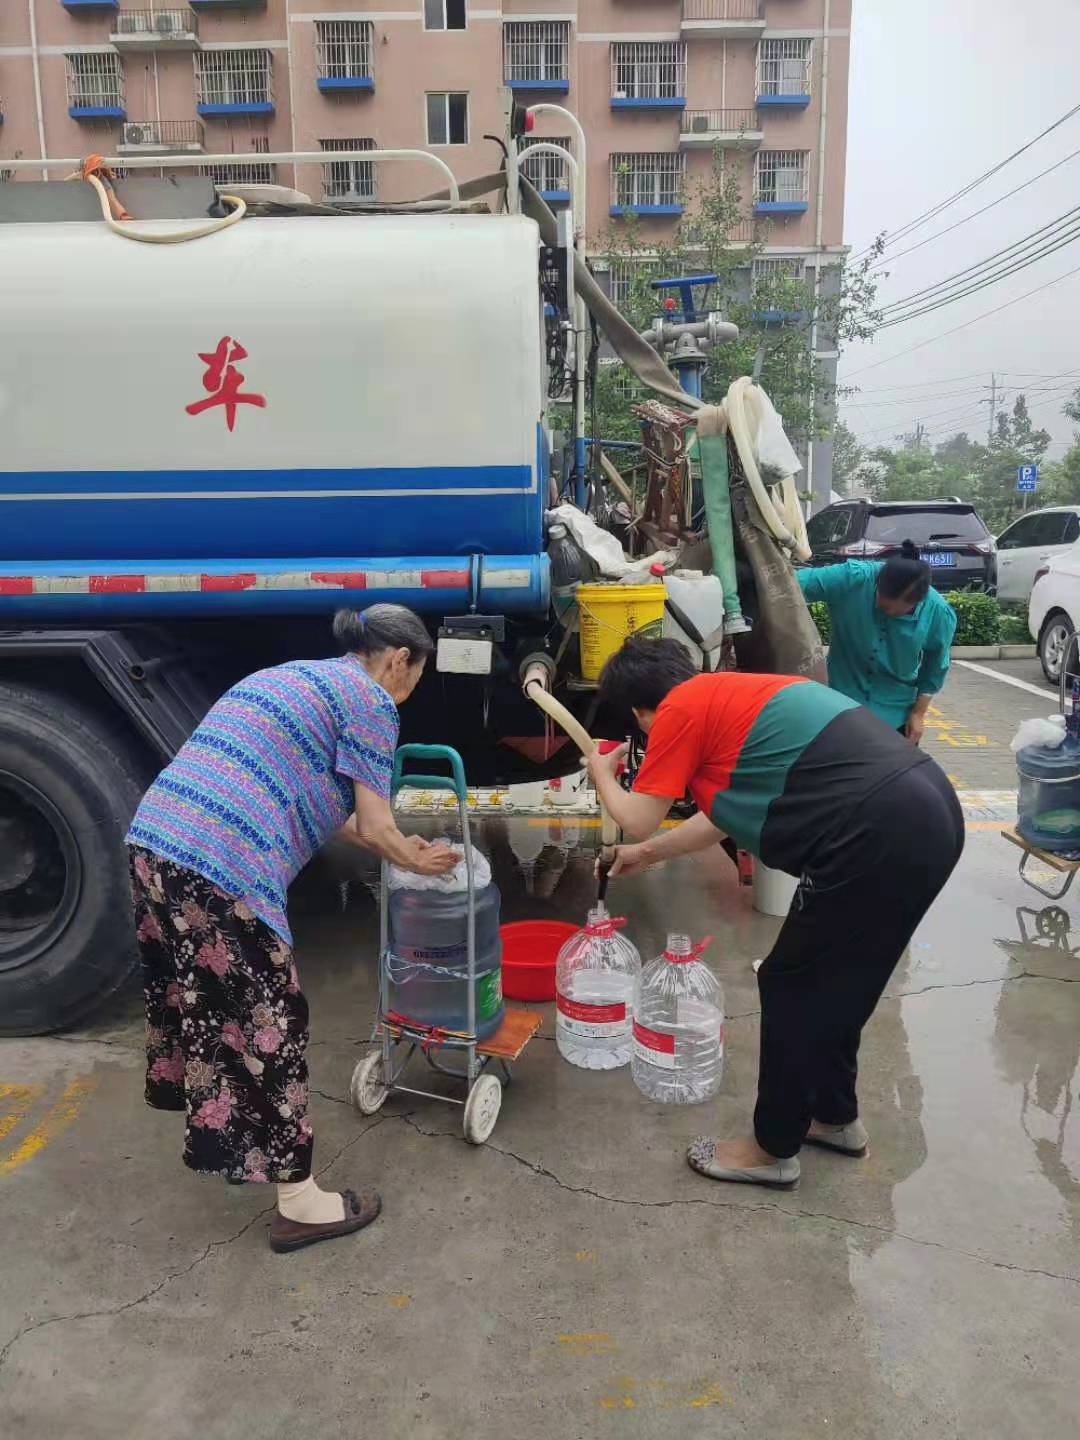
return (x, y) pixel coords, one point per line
(782, 1175)
(844, 1139)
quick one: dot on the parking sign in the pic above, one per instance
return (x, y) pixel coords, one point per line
(1027, 477)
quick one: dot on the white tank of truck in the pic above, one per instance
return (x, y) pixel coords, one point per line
(297, 410)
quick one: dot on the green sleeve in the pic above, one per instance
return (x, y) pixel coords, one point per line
(935, 661)
(827, 582)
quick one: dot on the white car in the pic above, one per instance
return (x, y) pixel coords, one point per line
(1028, 543)
(1054, 609)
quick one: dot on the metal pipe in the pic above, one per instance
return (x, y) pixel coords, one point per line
(580, 317)
(277, 157)
(10, 164)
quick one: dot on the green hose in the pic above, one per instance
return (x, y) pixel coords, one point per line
(713, 457)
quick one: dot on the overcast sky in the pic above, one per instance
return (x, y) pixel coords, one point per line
(941, 90)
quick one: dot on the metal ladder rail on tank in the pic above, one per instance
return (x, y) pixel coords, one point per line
(377, 1075)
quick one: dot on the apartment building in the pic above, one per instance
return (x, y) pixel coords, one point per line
(656, 85)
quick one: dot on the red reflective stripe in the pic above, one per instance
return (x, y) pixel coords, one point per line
(347, 579)
(117, 584)
(16, 585)
(226, 582)
(444, 579)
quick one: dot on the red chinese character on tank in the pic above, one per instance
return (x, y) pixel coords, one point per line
(223, 380)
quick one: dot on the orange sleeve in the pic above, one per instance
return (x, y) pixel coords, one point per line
(672, 755)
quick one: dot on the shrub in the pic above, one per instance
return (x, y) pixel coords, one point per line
(1014, 629)
(978, 618)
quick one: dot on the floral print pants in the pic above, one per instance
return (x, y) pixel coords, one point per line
(226, 1026)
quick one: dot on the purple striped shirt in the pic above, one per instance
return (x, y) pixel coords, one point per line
(268, 777)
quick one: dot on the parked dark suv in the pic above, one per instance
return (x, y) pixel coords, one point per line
(950, 536)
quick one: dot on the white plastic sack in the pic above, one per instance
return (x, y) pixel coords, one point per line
(449, 884)
(776, 458)
(603, 548)
(1049, 733)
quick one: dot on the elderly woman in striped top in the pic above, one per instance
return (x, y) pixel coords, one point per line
(278, 765)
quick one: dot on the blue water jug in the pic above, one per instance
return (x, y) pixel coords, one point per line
(1048, 807)
(428, 964)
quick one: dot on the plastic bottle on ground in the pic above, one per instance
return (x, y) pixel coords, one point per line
(570, 566)
(678, 1052)
(595, 975)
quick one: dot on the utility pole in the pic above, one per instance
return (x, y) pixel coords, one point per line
(992, 402)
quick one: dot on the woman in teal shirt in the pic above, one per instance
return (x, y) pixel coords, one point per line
(889, 635)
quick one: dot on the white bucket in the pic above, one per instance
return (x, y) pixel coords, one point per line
(528, 796)
(568, 789)
(774, 890)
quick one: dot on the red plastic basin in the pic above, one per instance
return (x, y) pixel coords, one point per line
(529, 950)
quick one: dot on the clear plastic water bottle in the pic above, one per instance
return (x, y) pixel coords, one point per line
(678, 1053)
(595, 975)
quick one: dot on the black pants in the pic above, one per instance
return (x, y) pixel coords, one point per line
(852, 918)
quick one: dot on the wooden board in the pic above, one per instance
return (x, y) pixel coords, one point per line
(515, 1032)
(1047, 857)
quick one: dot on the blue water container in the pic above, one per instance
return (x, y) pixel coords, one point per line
(428, 964)
(1049, 801)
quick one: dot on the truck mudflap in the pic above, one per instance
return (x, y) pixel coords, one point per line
(65, 590)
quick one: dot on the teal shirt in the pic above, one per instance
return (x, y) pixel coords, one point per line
(882, 661)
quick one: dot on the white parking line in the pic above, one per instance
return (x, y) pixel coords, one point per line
(1043, 692)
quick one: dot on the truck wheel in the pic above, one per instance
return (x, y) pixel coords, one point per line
(67, 792)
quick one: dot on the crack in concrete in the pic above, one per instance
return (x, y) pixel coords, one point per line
(750, 1207)
(183, 1270)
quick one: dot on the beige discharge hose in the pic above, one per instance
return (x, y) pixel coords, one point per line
(535, 682)
(119, 224)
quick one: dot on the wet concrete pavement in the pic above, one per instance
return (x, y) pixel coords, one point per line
(573, 1278)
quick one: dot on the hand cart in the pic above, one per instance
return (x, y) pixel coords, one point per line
(379, 1073)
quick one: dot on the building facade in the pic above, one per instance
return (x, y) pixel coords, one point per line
(656, 84)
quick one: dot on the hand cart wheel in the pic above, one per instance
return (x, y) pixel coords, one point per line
(482, 1109)
(368, 1089)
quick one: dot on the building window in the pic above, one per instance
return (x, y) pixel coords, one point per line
(444, 14)
(448, 118)
(767, 268)
(648, 70)
(646, 179)
(625, 275)
(95, 82)
(784, 67)
(546, 172)
(536, 50)
(348, 179)
(234, 77)
(343, 49)
(626, 385)
(241, 172)
(780, 177)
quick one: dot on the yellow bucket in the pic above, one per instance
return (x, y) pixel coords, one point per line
(609, 613)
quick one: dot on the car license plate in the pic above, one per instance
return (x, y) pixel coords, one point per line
(939, 557)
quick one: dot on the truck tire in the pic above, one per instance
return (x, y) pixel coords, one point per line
(68, 787)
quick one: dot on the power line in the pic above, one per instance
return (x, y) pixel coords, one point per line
(975, 214)
(986, 284)
(967, 323)
(1014, 250)
(921, 220)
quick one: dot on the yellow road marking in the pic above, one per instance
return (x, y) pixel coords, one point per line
(56, 1120)
(15, 1101)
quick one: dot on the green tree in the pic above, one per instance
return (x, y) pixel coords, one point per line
(716, 237)
(849, 458)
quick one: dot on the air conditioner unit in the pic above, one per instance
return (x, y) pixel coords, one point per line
(700, 124)
(139, 135)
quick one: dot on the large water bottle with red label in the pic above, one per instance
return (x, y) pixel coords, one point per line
(595, 974)
(678, 1026)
